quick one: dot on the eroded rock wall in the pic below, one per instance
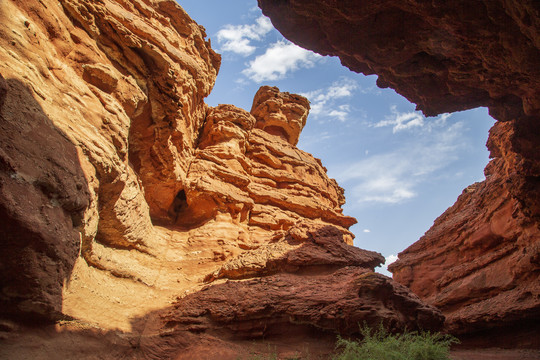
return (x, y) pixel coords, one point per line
(128, 206)
(247, 165)
(98, 76)
(479, 261)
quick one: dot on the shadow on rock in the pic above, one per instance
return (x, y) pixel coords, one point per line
(317, 289)
(43, 195)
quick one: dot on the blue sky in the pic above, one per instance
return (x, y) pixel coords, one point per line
(400, 170)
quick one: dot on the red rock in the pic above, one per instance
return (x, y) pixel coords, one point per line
(336, 302)
(308, 281)
(306, 246)
(479, 261)
(92, 136)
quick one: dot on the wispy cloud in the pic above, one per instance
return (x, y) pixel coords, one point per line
(238, 38)
(341, 113)
(401, 121)
(280, 58)
(324, 102)
(396, 176)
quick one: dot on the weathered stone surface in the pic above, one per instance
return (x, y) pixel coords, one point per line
(310, 277)
(308, 285)
(305, 247)
(121, 191)
(478, 262)
(97, 85)
(280, 113)
(443, 56)
(336, 302)
(258, 177)
(155, 47)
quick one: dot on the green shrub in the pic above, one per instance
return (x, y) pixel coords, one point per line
(380, 345)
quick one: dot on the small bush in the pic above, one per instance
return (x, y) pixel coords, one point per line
(380, 345)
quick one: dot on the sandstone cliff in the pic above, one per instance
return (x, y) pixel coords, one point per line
(143, 224)
(479, 261)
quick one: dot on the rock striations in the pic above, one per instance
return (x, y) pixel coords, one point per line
(246, 165)
(479, 262)
(143, 223)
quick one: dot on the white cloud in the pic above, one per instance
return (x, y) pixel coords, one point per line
(384, 268)
(279, 59)
(366, 230)
(342, 113)
(390, 259)
(406, 120)
(396, 176)
(324, 101)
(401, 121)
(238, 38)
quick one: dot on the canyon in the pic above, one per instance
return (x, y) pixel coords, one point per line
(136, 221)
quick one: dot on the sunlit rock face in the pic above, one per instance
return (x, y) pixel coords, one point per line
(108, 103)
(281, 114)
(125, 200)
(479, 262)
(245, 166)
(102, 106)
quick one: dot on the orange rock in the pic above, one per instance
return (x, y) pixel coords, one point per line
(315, 247)
(280, 114)
(258, 177)
(117, 88)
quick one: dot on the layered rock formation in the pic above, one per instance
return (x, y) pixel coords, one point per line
(247, 166)
(479, 261)
(130, 209)
(102, 80)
